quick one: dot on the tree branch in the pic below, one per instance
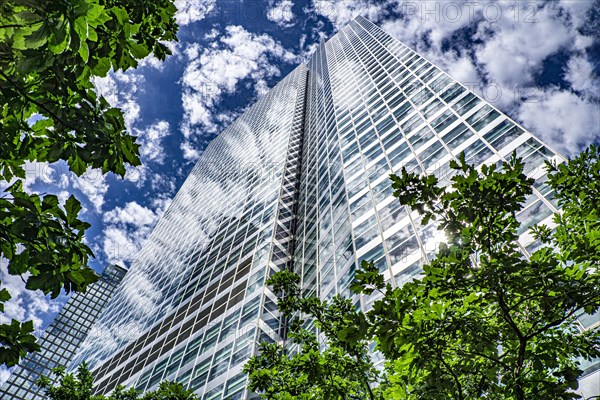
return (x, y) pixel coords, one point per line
(40, 105)
(456, 380)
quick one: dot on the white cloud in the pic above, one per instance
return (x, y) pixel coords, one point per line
(25, 305)
(577, 11)
(564, 120)
(44, 178)
(151, 62)
(63, 196)
(121, 89)
(93, 185)
(161, 204)
(37, 172)
(4, 374)
(281, 13)
(212, 34)
(162, 184)
(342, 12)
(126, 228)
(217, 69)
(514, 40)
(189, 11)
(150, 140)
(107, 87)
(427, 23)
(189, 153)
(136, 175)
(513, 52)
(308, 47)
(118, 245)
(580, 73)
(459, 66)
(133, 214)
(582, 42)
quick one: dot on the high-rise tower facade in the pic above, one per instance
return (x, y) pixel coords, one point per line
(193, 304)
(62, 338)
(299, 181)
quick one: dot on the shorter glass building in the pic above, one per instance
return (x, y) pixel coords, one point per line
(62, 337)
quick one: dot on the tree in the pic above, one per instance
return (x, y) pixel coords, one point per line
(300, 369)
(484, 321)
(50, 52)
(80, 386)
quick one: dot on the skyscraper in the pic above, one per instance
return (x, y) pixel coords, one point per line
(299, 181)
(62, 337)
(193, 304)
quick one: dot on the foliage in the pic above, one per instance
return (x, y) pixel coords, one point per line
(80, 386)
(50, 54)
(484, 321)
(300, 369)
(17, 338)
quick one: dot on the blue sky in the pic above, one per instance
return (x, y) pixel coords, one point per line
(538, 61)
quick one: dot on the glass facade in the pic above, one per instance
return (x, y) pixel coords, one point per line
(193, 305)
(375, 106)
(300, 181)
(63, 337)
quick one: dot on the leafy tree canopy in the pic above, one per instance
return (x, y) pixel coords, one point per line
(483, 322)
(302, 369)
(79, 386)
(50, 52)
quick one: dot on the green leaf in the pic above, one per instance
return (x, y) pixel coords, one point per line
(121, 14)
(102, 67)
(50, 202)
(138, 50)
(37, 38)
(84, 51)
(92, 34)
(77, 165)
(4, 297)
(42, 124)
(72, 208)
(81, 28)
(94, 12)
(60, 38)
